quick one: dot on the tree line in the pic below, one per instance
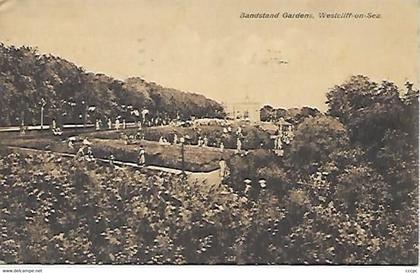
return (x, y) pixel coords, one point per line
(29, 79)
(292, 115)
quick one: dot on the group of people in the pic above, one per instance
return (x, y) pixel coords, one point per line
(164, 141)
(85, 151)
(248, 182)
(141, 158)
(280, 137)
(56, 130)
(118, 124)
(132, 138)
(203, 141)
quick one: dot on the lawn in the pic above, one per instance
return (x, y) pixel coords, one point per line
(197, 159)
(253, 136)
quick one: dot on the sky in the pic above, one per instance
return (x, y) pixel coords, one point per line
(205, 47)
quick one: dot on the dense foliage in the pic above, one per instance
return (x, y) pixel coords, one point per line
(344, 191)
(292, 115)
(353, 174)
(27, 77)
(55, 210)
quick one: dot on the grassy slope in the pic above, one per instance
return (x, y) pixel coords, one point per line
(196, 158)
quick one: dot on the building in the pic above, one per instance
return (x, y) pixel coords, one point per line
(245, 110)
(285, 131)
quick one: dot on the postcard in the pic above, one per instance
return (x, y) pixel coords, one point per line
(185, 132)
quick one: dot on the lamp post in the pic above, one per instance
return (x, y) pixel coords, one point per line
(129, 113)
(182, 140)
(73, 111)
(22, 127)
(84, 107)
(42, 103)
(91, 112)
(80, 117)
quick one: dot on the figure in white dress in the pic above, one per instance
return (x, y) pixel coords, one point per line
(142, 157)
(200, 141)
(97, 126)
(238, 145)
(117, 124)
(222, 166)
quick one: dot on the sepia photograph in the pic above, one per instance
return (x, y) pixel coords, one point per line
(209, 132)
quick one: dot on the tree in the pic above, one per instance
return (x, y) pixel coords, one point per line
(366, 108)
(267, 113)
(27, 76)
(315, 139)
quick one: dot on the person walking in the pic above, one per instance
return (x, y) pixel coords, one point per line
(117, 124)
(205, 141)
(142, 157)
(22, 129)
(80, 153)
(97, 125)
(247, 185)
(70, 144)
(222, 147)
(222, 166)
(238, 145)
(111, 160)
(89, 154)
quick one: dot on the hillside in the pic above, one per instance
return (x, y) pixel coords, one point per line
(27, 77)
